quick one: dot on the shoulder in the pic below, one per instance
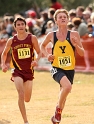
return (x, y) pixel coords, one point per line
(74, 33)
(34, 39)
(31, 36)
(83, 24)
(9, 42)
(50, 35)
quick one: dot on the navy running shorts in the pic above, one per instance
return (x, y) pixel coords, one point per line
(58, 73)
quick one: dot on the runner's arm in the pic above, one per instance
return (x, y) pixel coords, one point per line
(47, 40)
(76, 42)
(36, 47)
(4, 54)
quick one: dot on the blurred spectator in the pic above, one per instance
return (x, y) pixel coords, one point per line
(32, 14)
(33, 28)
(80, 26)
(72, 14)
(16, 15)
(7, 15)
(89, 8)
(44, 23)
(92, 18)
(56, 5)
(3, 32)
(86, 16)
(90, 29)
(92, 21)
(76, 22)
(50, 25)
(79, 11)
(51, 12)
(9, 27)
(70, 25)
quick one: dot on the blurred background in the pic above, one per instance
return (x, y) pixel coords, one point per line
(20, 6)
(40, 21)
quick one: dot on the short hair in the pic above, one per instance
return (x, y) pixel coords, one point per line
(45, 15)
(70, 25)
(19, 19)
(51, 11)
(89, 8)
(76, 21)
(81, 8)
(89, 25)
(11, 19)
(72, 12)
(60, 11)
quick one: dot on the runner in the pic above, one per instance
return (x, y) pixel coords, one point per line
(22, 47)
(62, 58)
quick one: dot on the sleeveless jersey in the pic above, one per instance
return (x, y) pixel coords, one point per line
(22, 52)
(64, 53)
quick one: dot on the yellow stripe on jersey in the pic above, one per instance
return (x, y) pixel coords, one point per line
(64, 55)
(15, 62)
(33, 58)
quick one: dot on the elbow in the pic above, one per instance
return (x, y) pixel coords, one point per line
(82, 52)
(42, 47)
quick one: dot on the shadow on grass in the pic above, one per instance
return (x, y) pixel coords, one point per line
(3, 121)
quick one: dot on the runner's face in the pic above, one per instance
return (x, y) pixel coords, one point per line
(20, 26)
(62, 19)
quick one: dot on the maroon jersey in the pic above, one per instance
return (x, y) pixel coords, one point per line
(22, 52)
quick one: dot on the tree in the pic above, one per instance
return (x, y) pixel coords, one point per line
(14, 6)
(73, 4)
(19, 6)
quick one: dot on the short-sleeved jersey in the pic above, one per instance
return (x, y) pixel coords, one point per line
(64, 53)
(22, 52)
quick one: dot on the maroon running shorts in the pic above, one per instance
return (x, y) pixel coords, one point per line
(24, 74)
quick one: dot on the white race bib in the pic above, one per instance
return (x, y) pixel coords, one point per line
(53, 71)
(64, 61)
(24, 53)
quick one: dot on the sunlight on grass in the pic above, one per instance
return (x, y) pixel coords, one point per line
(68, 116)
(79, 108)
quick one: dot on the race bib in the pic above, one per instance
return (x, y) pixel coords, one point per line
(53, 71)
(23, 53)
(64, 61)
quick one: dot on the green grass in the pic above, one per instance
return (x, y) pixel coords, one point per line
(79, 108)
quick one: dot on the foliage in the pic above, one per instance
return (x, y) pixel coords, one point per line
(16, 6)
(73, 4)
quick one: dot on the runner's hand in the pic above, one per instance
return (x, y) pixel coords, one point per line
(34, 63)
(74, 41)
(4, 68)
(50, 57)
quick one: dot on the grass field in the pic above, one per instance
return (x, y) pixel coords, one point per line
(79, 107)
